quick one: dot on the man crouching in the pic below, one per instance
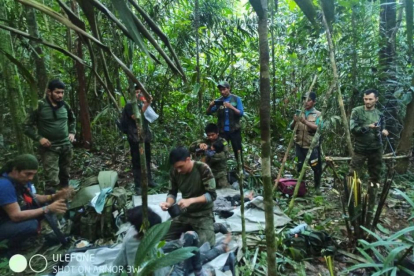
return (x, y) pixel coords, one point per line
(196, 183)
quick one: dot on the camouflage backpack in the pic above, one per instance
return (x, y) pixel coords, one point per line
(94, 226)
(309, 243)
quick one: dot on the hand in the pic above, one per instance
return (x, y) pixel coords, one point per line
(212, 103)
(58, 207)
(373, 126)
(72, 137)
(302, 120)
(165, 205)
(203, 146)
(385, 132)
(227, 105)
(45, 143)
(64, 193)
(296, 118)
(184, 203)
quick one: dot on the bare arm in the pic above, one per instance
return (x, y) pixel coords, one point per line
(16, 214)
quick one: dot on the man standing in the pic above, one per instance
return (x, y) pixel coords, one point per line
(218, 162)
(53, 125)
(19, 217)
(229, 110)
(134, 138)
(367, 127)
(196, 183)
(307, 126)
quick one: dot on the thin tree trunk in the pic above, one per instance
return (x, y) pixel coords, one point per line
(387, 25)
(197, 37)
(406, 140)
(354, 70)
(338, 85)
(83, 99)
(243, 222)
(14, 92)
(261, 10)
(37, 55)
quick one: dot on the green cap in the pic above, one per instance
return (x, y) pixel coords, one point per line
(224, 84)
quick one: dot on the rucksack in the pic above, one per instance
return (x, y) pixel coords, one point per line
(94, 226)
(309, 243)
(122, 122)
(287, 186)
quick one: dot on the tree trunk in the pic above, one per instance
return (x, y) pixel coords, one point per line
(338, 85)
(14, 93)
(197, 37)
(260, 7)
(406, 140)
(37, 55)
(387, 25)
(83, 99)
(354, 71)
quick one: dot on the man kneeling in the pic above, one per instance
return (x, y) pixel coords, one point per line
(196, 183)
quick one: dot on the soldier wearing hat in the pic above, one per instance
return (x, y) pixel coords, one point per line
(229, 110)
(307, 126)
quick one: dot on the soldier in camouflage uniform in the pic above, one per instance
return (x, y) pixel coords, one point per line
(217, 162)
(53, 125)
(366, 126)
(196, 183)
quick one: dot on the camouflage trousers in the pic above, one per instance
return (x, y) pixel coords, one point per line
(374, 158)
(221, 182)
(56, 165)
(203, 225)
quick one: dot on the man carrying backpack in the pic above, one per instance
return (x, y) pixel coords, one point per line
(53, 125)
(129, 123)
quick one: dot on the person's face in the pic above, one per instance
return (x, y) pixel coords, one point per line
(183, 167)
(24, 176)
(56, 95)
(308, 104)
(212, 136)
(137, 93)
(224, 91)
(370, 100)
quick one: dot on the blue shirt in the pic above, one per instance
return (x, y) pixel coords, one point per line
(226, 120)
(8, 195)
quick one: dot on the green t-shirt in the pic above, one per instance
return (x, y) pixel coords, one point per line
(196, 183)
(366, 138)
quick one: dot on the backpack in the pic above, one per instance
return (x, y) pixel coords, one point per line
(94, 226)
(287, 186)
(122, 122)
(309, 243)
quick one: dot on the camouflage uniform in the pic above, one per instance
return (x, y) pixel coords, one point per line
(217, 163)
(368, 142)
(197, 217)
(54, 124)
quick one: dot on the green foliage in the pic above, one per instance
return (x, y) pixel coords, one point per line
(146, 261)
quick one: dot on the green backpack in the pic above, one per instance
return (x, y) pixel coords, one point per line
(94, 226)
(309, 243)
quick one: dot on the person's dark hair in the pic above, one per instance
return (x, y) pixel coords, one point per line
(371, 90)
(179, 154)
(135, 217)
(211, 128)
(137, 87)
(53, 84)
(218, 146)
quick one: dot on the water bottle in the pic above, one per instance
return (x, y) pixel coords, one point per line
(298, 229)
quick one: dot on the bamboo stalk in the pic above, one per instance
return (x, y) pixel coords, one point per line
(243, 223)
